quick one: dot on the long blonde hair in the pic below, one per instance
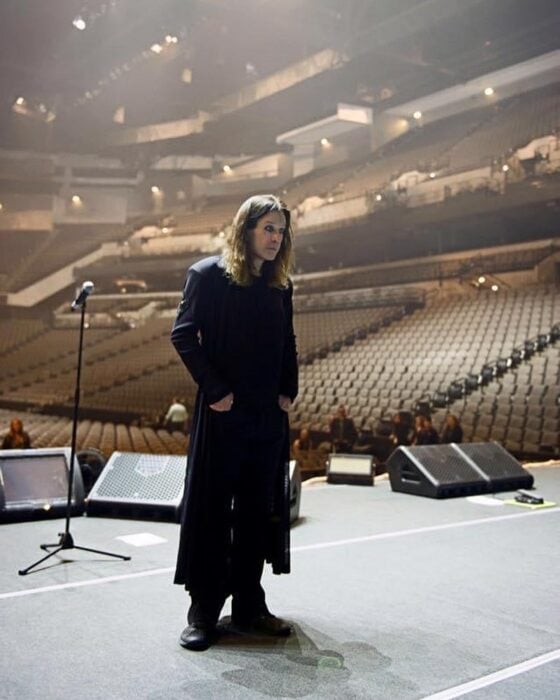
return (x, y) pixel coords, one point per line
(237, 252)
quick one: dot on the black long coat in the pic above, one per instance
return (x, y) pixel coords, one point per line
(205, 318)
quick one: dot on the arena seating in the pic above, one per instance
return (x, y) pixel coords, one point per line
(423, 353)
(520, 409)
(56, 431)
(514, 123)
(62, 246)
(15, 247)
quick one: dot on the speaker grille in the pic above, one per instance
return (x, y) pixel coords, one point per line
(444, 464)
(142, 478)
(493, 459)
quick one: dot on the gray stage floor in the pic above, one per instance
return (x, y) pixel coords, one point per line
(391, 596)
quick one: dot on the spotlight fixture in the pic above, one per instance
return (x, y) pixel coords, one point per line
(79, 23)
(155, 189)
(481, 279)
(20, 101)
(156, 48)
(432, 175)
(417, 115)
(227, 169)
(378, 197)
(169, 39)
(489, 91)
(494, 287)
(505, 168)
(325, 142)
(76, 200)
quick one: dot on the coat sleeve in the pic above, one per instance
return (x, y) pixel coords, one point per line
(185, 336)
(289, 379)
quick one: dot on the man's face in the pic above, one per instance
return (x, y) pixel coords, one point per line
(266, 237)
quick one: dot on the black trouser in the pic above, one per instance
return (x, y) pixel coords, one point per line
(246, 447)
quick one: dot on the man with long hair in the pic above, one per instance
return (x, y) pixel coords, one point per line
(234, 332)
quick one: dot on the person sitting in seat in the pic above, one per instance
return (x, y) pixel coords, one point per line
(452, 431)
(17, 438)
(343, 431)
(424, 431)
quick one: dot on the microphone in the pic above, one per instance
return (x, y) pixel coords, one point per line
(85, 291)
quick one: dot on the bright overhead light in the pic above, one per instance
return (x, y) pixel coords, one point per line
(378, 197)
(156, 48)
(76, 200)
(505, 168)
(481, 279)
(155, 189)
(488, 91)
(79, 23)
(417, 114)
(20, 101)
(171, 39)
(494, 287)
(325, 142)
(432, 175)
(227, 169)
(1, 206)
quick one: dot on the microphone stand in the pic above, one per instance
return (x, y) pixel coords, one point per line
(66, 540)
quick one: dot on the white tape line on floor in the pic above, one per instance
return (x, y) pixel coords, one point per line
(295, 550)
(492, 678)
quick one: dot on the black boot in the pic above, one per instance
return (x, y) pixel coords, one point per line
(198, 637)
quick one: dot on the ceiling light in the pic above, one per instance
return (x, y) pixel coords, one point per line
(165, 229)
(505, 168)
(156, 48)
(76, 200)
(79, 23)
(325, 142)
(378, 197)
(155, 189)
(171, 39)
(1, 206)
(417, 114)
(20, 101)
(488, 91)
(481, 279)
(494, 287)
(432, 175)
(227, 168)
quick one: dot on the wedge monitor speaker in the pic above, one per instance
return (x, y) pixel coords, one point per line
(350, 469)
(136, 485)
(34, 484)
(444, 471)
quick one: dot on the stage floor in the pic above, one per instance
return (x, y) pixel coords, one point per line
(391, 596)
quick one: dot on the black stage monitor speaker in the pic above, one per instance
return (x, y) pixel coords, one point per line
(295, 490)
(143, 486)
(443, 471)
(34, 484)
(350, 469)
